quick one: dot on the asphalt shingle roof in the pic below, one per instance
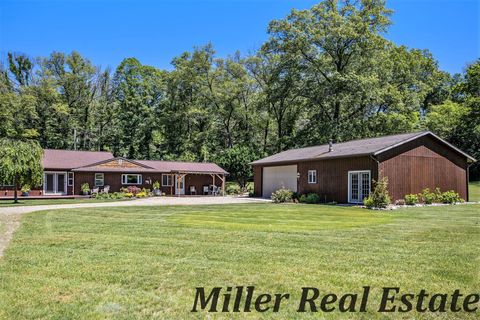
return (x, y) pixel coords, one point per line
(69, 159)
(361, 147)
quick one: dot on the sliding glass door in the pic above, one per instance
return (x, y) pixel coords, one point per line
(55, 183)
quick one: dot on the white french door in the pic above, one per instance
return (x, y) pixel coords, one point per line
(179, 184)
(55, 183)
(358, 186)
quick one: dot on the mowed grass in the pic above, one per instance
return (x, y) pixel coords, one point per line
(145, 262)
(474, 191)
(39, 202)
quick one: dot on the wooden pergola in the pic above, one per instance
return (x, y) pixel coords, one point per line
(181, 175)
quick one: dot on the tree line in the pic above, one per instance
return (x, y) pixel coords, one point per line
(327, 73)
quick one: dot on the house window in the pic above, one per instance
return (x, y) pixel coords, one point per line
(312, 176)
(70, 179)
(99, 179)
(167, 180)
(131, 179)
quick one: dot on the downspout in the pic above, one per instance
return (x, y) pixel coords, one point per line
(378, 166)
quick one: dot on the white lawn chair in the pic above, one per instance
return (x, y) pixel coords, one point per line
(94, 191)
(193, 191)
(106, 189)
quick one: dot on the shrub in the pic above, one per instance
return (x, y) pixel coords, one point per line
(142, 194)
(114, 196)
(25, 188)
(128, 195)
(427, 197)
(309, 198)
(379, 198)
(85, 187)
(282, 195)
(134, 190)
(368, 202)
(400, 202)
(232, 189)
(156, 185)
(411, 199)
(438, 195)
(451, 197)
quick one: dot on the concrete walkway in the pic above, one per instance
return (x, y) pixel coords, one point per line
(10, 216)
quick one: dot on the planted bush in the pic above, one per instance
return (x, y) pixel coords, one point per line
(141, 194)
(428, 197)
(411, 199)
(104, 196)
(232, 189)
(311, 198)
(379, 198)
(451, 197)
(282, 195)
(134, 190)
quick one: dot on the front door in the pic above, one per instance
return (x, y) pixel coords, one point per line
(179, 184)
(55, 183)
(358, 186)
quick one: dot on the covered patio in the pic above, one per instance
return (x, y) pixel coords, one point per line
(197, 184)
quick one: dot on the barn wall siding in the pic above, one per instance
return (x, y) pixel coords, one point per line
(424, 163)
(332, 176)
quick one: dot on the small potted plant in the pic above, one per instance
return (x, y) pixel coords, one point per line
(25, 190)
(85, 189)
(156, 189)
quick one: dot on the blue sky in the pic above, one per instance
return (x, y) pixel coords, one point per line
(106, 31)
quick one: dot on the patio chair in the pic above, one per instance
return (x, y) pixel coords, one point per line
(206, 190)
(106, 189)
(193, 190)
(214, 190)
(94, 191)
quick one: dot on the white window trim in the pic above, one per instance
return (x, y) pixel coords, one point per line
(125, 179)
(68, 179)
(314, 175)
(171, 180)
(95, 179)
(349, 184)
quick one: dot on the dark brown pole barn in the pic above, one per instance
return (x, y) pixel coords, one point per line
(344, 172)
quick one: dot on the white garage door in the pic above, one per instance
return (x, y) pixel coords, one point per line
(275, 178)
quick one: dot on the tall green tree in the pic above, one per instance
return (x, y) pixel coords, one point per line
(138, 92)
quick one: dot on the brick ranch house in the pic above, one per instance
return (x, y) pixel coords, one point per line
(344, 172)
(65, 171)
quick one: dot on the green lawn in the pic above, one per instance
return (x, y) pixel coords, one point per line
(474, 190)
(39, 202)
(145, 262)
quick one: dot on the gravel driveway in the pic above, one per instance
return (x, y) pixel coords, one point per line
(10, 216)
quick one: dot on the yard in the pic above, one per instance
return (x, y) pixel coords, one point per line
(40, 202)
(145, 262)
